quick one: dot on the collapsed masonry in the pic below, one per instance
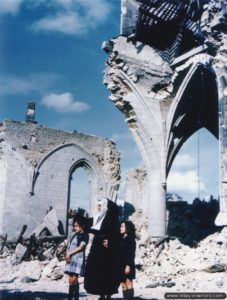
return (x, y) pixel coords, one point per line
(167, 74)
(36, 164)
(162, 264)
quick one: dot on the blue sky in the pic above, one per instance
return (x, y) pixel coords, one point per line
(50, 52)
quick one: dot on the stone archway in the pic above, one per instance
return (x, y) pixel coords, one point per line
(83, 163)
(51, 180)
(152, 78)
(164, 104)
(37, 163)
(80, 185)
(194, 107)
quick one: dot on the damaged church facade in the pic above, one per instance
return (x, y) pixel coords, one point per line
(36, 164)
(167, 73)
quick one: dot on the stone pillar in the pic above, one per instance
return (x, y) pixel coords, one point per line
(159, 91)
(156, 205)
(221, 219)
(215, 20)
(132, 79)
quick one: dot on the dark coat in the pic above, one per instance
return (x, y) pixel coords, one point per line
(100, 276)
(126, 257)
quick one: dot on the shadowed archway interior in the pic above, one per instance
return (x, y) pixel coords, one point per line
(197, 108)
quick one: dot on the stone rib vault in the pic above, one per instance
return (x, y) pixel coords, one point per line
(170, 86)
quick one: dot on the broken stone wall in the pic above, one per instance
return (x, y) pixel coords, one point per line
(136, 189)
(160, 97)
(36, 165)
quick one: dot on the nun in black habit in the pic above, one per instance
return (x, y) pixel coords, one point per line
(100, 276)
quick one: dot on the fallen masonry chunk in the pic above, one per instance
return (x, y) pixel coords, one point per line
(168, 284)
(20, 252)
(216, 268)
(152, 285)
(50, 222)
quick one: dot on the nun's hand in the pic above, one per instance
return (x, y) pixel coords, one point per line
(127, 270)
(105, 243)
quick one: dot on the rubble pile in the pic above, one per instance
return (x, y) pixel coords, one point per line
(167, 263)
(44, 242)
(42, 253)
(164, 265)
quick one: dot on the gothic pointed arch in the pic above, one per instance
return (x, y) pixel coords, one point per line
(51, 179)
(194, 107)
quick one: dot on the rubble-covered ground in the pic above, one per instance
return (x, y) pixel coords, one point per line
(168, 267)
(175, 267)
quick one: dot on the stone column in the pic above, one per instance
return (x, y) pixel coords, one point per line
(215, 20)
(221, 219)
(132, 77)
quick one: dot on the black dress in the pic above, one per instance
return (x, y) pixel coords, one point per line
(126, 257)
(100, 277)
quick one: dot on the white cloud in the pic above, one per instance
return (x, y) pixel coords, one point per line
(64, 23)
(64, 103)
(185, 182)
(96, 10)
(74, 17)
(24, 85)
(10, 6)
(183, 162)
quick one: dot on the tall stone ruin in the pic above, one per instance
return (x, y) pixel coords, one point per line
(36, 164)
(167, 74)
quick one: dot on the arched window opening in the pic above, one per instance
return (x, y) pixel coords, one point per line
(79, 190)
(194, 172)
(193, 186)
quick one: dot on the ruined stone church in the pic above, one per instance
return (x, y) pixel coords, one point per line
(166, 72)
(36, 164)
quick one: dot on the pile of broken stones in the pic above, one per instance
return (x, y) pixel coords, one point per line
(37, 263)
(170, 266)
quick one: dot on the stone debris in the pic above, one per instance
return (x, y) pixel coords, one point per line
(216, 268)
(50, 222)
(44, 243)
(35, 162)
(183, 268)
(20, 252)
(161, 266)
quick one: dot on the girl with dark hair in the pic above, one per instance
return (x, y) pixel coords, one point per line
(126, 260)
(75, 257)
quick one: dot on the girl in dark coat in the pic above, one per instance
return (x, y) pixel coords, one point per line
(75, 258)
(126, 258)
(100, 277)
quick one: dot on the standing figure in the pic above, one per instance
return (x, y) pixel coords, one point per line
(126, 258)
(75, 257)
(100, 276)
